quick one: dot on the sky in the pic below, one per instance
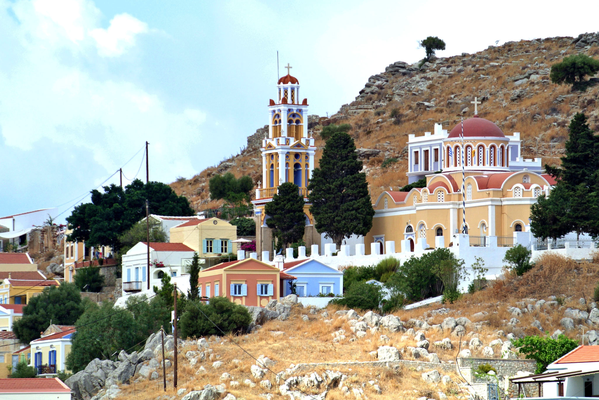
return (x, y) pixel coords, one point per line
(84, 84)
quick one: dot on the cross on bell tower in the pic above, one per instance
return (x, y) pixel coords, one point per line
(476, 103)
(288, 68)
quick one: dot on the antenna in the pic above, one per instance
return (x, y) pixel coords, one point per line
(278, 66)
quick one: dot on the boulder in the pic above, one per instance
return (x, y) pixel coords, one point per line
(432, 376)
(289, 300)
(55, 269)
(444, 344)
(449, 323)
(567, 323)
(261, 315)
(257, 372)
(372, 318)
(84, 385)
(466, 353)
(423, 344)
(392, 323)
(462, 321)
(475, 343)
(388, 353)
(488, 352)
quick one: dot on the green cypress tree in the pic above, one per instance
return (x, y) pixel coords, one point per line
(341, 204)
(194, 272)
(286, 212)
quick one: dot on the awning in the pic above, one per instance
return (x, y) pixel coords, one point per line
(12, 235)
(551, 376)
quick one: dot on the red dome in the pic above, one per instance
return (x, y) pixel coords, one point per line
(288, 79)
(476, 127)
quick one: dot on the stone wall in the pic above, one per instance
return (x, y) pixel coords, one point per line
(441, 367)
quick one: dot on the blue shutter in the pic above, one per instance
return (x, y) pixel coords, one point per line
(143, 274)
(232, 290)
(244, 290)
(204, 246)
(258, 289)
(128, 274)
(230, 246)
(217, 246)
(270, 289)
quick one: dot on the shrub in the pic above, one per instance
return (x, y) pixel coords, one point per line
(24, 371)
(396, 116)
(544, 350)
(357, 274)
(389, 161)
(485, 369)
(89, 279)
(385, 268)
(329, 130)
(573, 69)
(200, 319)
(596, 294)
(394, 303)
(361, 295)
(518, 258)
(245, 226)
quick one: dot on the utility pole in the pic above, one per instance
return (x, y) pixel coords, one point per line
(147, 164)
(176, 340)
(121, 174)
(163, 359)
(148, 238)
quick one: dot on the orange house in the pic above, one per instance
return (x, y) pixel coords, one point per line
(249, 282)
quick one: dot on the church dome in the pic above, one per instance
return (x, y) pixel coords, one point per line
(288, 79)
(477, 127)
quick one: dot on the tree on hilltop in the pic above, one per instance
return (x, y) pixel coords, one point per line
(341, 204)
(573, 70)
(431, 44)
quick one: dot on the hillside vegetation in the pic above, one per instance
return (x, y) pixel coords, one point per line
(511, 80)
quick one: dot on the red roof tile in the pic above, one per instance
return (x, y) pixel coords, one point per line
(19, 282)
(14, 258)
(476, 127)
(221, 265)
(549, 179)
(6, 335)
(193, 222)
(17, 308)
(436, 185)
(23, 275)
(286, 276)
(169, 247)
(293, 264)
(23, 350)
(398, 196)
(33, 385)
(54, 336)
(288, 79)
(169, 218)
(581, 354)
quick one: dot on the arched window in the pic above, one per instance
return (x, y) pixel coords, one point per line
(160, 274)
(469, 192)
(517, 191)
(468, 156)
(415, 199)
(409, 229)
(518, 228)
(537, 191)
(272, 175)
(440, 196)
(306, 175)
(422, 231)
(439, 231)
(492, 156)
(458, 159)
(386, 204)
(483, 229)
(449, 157)
(424, 197)
(526, 179)
(297, 174)
(500, 156)
(287, 173)
(481, 155)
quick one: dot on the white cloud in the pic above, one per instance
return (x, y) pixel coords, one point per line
(119, 36)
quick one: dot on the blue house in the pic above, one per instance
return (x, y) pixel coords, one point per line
(313, 278)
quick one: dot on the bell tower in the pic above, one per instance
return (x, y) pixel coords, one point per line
(287, 153)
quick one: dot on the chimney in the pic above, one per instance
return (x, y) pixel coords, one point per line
(279, 262)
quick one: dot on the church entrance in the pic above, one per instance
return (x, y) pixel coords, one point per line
(411, 244)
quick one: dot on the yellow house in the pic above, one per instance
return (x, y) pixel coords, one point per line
(485, 189)
(20, 291)
(77, 252)
(9, 344)
(50, 352)
(209, 237)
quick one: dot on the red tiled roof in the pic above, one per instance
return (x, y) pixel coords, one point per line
(33, 385)
(436, 185)
(6, 335)
(398, 196)
(581, 354)
(169, 246)
(288, 79)
(293, 264)
(549, 179)
(19, 282)
(284, 276)
(55, 336)
(454, 184)
(476, 127)
(222, 265)
(17, 308)
(23, 350)
(23, 275)
(193, 222)
(14, 258)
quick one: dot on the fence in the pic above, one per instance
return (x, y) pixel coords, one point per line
(505, 241)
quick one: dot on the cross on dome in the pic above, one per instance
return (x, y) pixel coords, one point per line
(476, 103)
(288, 68)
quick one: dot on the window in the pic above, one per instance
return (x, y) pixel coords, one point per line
(386, 205)
(439, 231)
(415, 199)
(52, 358)
(409, 229)
(224, 246)
(265, 289)
(440, 196)
(173, 274)
(326, 288)
(426, 160)
(526, 179)
(500, 156)
(537, 191)
(422, 231)
(239, 289)
(518, 227)
(436, 155)
(301, 289)
(469, 192)
(208, 245)
(481, 155)
(469, 152)
(207, 290)
(143, 274)
(424, 197)
(215, 289)
(415, 158)
(517, 191)
(492, 156)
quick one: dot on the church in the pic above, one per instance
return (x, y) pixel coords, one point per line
(477, 183)
(287, 156)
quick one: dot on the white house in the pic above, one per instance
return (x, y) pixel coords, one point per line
(165, 258)
(575, 375)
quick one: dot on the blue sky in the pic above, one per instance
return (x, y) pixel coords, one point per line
(83, 84)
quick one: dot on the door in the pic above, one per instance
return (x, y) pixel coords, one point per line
(588, 389)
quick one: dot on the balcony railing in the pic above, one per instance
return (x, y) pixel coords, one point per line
(479, 241)
(505, 241)
(96, 263)
(270, 192)
(134, 286)
(46, 369)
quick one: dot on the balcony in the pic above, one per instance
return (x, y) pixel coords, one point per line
(132, 287)
(270, 192)
(108, 262)
(46, 369)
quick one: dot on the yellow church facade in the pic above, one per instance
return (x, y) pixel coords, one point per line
(476, 183)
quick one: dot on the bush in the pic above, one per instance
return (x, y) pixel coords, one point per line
(394, 303)
(361, 295)
(200, 319)
(485, 369)
(396, 116)
(89, 279)
(389, 161)
(352, 275)
(544, 350)
(24, 371)
(329, 130)
(385, 268)
(573, 69)
(245, 226)
(518, 258)
(596, 294)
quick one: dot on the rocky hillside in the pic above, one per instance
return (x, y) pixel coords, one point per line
(306, 353)
(512, 81)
